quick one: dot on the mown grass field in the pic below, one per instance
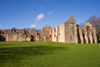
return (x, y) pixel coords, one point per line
(49, 54)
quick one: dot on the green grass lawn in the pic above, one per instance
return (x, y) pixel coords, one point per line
(49, 54)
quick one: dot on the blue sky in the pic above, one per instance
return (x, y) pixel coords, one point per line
(37, 13)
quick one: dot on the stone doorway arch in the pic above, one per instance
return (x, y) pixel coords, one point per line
(32, 38)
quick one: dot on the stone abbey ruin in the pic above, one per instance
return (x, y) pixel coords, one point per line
(68, 32)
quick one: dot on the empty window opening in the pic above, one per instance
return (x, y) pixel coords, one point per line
(71, 25)
(77, 27)
(84, 38)
(47, 25)
(54, 29)
(58, 28)
(78, 35)
(92, 34)
(88, 28)
(71, 37)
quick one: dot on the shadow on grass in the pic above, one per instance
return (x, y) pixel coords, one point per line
(17, 52)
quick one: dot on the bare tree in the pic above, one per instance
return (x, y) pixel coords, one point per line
(95, 21)
(27, 29)
(82, 24)
(39, 30)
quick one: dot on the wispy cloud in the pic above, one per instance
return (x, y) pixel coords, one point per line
(0, 27)
(50, 12)
(42, 6)
(24, 11)
(33, 26)
(45, 0)
(39, 17)
(31, 11)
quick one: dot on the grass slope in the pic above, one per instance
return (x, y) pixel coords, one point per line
(49, 54)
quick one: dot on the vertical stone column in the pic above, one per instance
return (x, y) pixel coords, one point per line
(17, 36)
(7, 37)
(38, 38)
(62, 32)
(85, 32)
(53, 30)
(80, 32)
(90, 35)
(57, 33)
(49, 32)
(44, 38)
(76, 38)
(24, 37)
(94, 34)
(58, 36)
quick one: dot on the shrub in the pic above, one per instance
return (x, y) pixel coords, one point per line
(98, 41)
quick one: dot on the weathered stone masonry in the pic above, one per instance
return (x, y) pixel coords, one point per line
(68, 32)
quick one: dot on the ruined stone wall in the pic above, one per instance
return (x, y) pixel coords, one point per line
(53, 34)
(7, 31)
(27, 37)
(57, 29)
(21, 37)
(45, 34)
(62, 32)
(68, 32)
(37, 38)
(58, 35)
(46, 30)
(33, 32)
(18, 35)
(12, 37)
(89, 33)
(20, 31)
(80, 36)
(85, 35)
(94, 35)
(89, 27)
(71, 31)
(2, 37)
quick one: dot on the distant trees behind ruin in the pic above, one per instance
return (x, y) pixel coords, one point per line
(27, 30)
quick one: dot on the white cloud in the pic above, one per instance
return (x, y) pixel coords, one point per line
(50, 12)
(0, 27)
(39, 17)
(45, 0)
(33, 26)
